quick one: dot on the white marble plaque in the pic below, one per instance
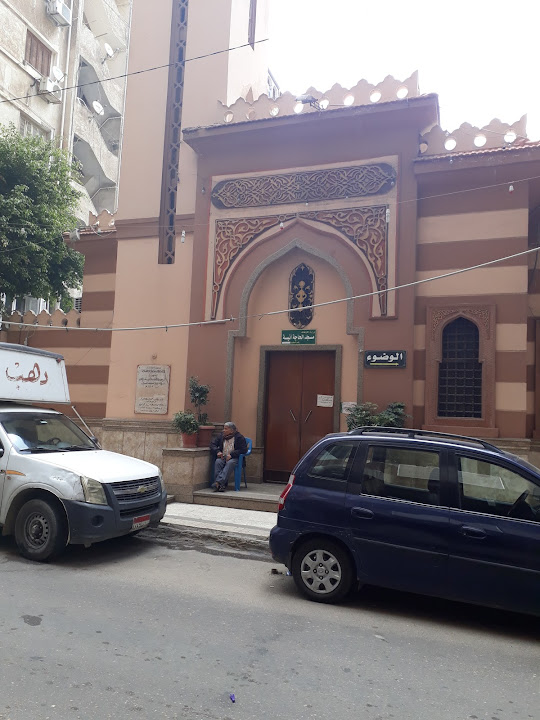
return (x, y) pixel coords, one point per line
(152, 393)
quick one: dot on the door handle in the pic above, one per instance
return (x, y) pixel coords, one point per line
(362, 513)
(307, 416)
(472, 532)
(292, 414)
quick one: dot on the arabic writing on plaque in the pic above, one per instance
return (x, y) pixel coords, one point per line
(33, 375)
(152, 393)
(385, 358)
(298, 337)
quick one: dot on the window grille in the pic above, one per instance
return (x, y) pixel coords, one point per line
(27, 127)
(460, 372)
(173, 134)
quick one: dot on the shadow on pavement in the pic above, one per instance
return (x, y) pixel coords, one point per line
(108, 551)
(448, 613)
(384, 604)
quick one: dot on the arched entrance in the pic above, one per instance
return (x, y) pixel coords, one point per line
(291, 394)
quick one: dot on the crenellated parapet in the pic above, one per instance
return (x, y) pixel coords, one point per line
(363, 93)
(56, 319)
(468, 138)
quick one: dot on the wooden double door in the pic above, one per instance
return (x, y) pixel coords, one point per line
(294, 419)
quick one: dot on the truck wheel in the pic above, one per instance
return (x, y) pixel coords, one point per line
(322, 571)
(40, 531)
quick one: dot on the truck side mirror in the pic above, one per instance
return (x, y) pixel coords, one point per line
(1, 451)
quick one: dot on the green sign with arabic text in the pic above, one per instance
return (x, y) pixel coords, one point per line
(298, 337)
(385, 358)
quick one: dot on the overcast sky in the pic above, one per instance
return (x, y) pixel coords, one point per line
(481, 58)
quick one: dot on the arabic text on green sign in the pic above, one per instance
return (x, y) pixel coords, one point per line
(298, 337)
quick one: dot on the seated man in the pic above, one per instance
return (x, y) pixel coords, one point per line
(228, 446)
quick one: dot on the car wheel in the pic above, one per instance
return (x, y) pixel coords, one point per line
(322, 570)
(40, 531)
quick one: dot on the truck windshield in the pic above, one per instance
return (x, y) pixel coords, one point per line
(35, 433)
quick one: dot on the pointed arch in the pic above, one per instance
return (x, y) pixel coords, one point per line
(446, 416)
(235, 238)
(244, 302)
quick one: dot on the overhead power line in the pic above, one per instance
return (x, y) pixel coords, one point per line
(138, 72)
(203, 323)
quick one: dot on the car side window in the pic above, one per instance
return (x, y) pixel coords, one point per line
(333, 461)
(402, 474)
(494, 489)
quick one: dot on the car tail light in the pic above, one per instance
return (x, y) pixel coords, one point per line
(285, 492)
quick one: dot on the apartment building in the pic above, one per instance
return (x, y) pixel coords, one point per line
(62, 64)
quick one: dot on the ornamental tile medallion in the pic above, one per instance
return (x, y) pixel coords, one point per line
(301, 187)
(364, 227)
(301, 296)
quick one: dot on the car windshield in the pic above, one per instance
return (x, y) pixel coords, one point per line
(40, 433)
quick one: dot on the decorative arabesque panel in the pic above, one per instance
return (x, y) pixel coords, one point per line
(173, 124)
(309, 186)
(365, 227)
(301, 296)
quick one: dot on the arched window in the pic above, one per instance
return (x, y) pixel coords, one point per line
(460, 372)
(301, 296)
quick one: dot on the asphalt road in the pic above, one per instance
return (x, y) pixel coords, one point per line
(139, 629)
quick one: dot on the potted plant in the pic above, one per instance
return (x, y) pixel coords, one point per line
(186, 423)
(198, 394)
(366, 414)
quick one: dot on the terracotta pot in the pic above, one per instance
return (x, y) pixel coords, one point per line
(189, 441)
(205, 435)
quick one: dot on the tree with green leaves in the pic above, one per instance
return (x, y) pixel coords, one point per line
(38, 203)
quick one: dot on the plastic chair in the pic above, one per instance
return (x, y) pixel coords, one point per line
(241, 467)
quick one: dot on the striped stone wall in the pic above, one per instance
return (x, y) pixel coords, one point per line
(455, 233)
(87, 354)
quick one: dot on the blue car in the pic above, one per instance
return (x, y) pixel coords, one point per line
(438, 514)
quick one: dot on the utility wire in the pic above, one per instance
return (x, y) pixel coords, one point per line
(138, 72)
(276, 312)
(298, 213)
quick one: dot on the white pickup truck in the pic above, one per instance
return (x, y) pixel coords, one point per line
(57, 486)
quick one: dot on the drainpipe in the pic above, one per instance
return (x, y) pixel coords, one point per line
(122, 121)
(68, 53)
(75, 78)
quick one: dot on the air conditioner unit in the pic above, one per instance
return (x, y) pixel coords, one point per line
(59, 12)
(50, 90)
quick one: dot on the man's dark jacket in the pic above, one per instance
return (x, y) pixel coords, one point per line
(240, 445)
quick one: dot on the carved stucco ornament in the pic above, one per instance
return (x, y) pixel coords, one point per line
(365, 227)
(480, 314)
(301, 187)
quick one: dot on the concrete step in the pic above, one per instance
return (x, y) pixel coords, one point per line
(243, 500)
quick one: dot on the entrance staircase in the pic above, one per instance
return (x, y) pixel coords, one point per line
(257, 496)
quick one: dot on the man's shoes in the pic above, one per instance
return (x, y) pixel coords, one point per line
(215, 486)
(221, 488)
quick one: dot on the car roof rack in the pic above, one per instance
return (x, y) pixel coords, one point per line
(412, 433)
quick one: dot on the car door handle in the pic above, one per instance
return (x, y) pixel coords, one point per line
(472, 532)
(362, 513)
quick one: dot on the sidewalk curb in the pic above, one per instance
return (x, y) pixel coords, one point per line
(217, 541)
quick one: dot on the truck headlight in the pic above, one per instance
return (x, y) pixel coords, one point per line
(93, 491)
(160, 475)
